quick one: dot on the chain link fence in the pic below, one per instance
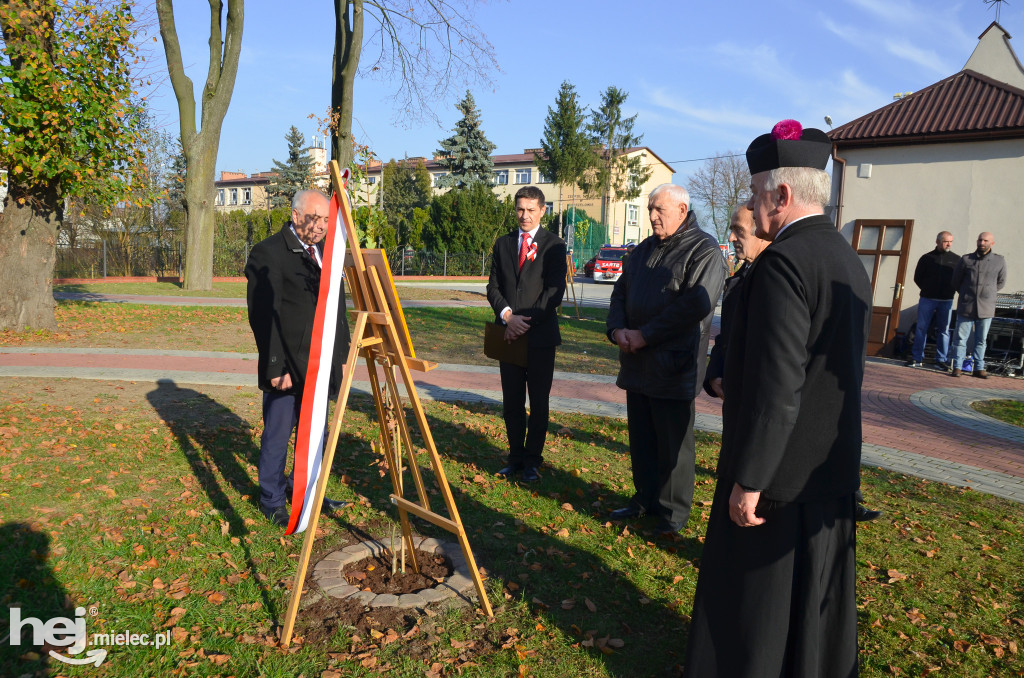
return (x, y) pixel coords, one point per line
(102, 259)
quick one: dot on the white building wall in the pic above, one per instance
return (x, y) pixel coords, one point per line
(963, 188)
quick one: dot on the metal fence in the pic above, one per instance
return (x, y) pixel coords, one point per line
(102, 259)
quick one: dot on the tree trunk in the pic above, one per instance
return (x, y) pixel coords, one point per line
(28, 251)
(348, 44)
(200, 225)
(200, 147)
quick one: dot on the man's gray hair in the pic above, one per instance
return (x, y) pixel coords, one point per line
(675, 191)
(810, 186)
(299, 199)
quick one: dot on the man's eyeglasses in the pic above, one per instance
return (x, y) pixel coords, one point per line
(314, 218)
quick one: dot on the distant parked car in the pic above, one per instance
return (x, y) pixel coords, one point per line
(588, 268)
(608, 263)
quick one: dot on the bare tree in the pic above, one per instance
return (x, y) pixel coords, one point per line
(200, 144)
(721, 185)
(428, 48)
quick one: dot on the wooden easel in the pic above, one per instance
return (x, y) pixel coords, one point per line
(381, 337)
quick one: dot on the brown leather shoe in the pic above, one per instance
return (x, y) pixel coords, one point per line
(981, 374)
(956, 372)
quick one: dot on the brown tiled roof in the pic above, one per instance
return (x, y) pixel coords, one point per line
(967, 106)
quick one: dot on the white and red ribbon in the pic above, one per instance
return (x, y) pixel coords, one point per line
(312, 432)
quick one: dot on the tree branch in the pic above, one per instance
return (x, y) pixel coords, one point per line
(181, 83)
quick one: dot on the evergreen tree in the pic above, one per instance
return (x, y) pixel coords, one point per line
(467, 153)
(403, 188)
(568, 152)
(293, 175)
(617, 175)
(468, 219)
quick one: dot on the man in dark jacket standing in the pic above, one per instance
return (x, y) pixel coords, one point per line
(283, 274)
(660, 317)
(525, 288)
(747, 247)
(775, 595)
(934, 275)
(977, 278)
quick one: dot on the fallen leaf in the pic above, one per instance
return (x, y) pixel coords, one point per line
(590, 605)
(215, 598)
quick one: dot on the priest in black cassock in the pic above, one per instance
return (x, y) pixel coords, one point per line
(776, 591)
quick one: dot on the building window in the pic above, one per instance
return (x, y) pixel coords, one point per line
(523, 175)
(220, 196)
(437, 178)
(632, 215)
(371, 180)
(550, 208)
(246, 196)
(542, 178)
(501, 178)
(234, 196)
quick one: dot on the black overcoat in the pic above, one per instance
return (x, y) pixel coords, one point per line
(794, 368)
(536, 291)
(730, 302)
(283, 285)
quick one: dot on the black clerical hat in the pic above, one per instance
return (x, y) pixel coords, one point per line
(789, 145)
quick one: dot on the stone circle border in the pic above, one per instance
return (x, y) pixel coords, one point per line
(328, 574)
(954, 406)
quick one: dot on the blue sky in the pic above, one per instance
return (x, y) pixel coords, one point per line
(703, 77)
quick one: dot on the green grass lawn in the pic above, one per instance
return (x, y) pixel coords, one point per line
(160, 289)
(236, 290)
(139, 501)
(444, 335)
(1010, 411)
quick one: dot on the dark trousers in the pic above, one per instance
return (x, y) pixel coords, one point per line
(526, 441)
(280, 415)
(661, 451)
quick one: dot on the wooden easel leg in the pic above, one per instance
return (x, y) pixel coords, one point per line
(442, 479)
(403, 426)
(321, 485)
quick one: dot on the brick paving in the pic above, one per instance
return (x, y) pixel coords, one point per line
(916, 421)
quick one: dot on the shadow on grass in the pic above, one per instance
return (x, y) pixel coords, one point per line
(28, 583)
(214, 440)
(543, 568)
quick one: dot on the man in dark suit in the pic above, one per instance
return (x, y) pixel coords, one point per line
(526, 286)
(283, 274)
(775, 595)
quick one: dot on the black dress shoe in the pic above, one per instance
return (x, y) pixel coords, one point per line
(667, 528)
(627, 512)
(332, 505)
(862, 514)
(509, 470)
(279, 515)
(530, 474)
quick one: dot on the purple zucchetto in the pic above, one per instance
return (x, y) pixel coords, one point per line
(789, 145)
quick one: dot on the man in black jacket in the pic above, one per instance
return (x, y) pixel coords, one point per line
(747, 247)
(283, 274)
(934, 275)
(660, 317)
(776, 590)
(525, 288)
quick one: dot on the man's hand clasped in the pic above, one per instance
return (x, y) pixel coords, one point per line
(629, 341)
(515, 326)
(282, 383)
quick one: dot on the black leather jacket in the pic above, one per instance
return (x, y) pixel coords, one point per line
(668, 292)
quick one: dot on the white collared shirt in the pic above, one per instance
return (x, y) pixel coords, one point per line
(305, 246)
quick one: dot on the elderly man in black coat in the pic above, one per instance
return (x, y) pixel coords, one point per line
(283, 274)
(775, 595)
(660, 317)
